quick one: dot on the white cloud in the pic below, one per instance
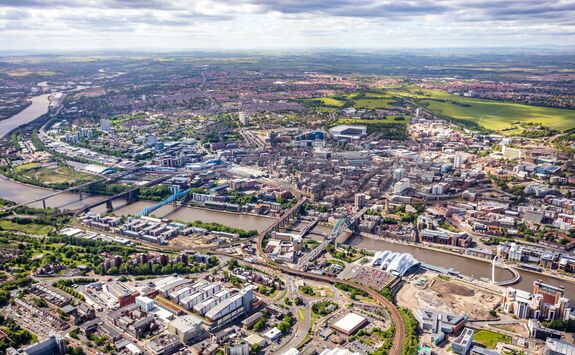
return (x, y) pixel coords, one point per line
(253, 24)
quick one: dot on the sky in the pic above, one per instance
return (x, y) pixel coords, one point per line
(48, 25)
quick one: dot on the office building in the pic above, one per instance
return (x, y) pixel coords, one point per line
(359, 201)
(463, 342)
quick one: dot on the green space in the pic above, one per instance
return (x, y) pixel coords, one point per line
(325, 101)
(30, 228)
(504, 117)
(307, 290)
(489, 339)
(382, 339)
(57, 176)
(411, 331)
(323, 308)
(16, 336)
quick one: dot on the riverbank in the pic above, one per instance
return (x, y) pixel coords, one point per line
(464, 264)
(567, 278)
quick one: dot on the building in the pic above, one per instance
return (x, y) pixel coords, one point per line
(338, 351)
(359, 201)
(244, 120)
(145, 303)
(53, 345)
(463, 342)
(558, 347)
(105, 125)
(398, 174)
(551, 303)
(186, 327)
(350, 323)
(401, 186)
(437, 322)
(348, 132)
(457, 160)
(232, 308)
(518, 302)
(511, 153)
(273, 334)
(164, 344)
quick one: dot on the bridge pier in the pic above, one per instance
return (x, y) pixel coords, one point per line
(81, 197)
(109, 206)
(44, 203)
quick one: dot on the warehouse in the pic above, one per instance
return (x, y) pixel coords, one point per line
(350, 323)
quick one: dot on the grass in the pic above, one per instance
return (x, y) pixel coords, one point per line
(498, 116)
(492, 115)
(489, 339)
(60, 175)
(28, 166)
(326, 101)
(31, 228)
(372, 104)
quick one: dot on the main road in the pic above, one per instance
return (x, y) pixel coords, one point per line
(399, 335)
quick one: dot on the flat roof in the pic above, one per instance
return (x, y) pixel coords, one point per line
(349, 323)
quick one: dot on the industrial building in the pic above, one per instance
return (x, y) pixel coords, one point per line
(186, 327)
(350, 323)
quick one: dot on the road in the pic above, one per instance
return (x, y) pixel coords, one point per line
(399, 336)
(302, 328)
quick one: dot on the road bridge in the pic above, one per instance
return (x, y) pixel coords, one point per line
(78, 188)
(399, 335)
(130, 195)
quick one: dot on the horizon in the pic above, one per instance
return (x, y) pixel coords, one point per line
(238, 25)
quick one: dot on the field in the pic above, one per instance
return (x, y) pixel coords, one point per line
(31, 228)
(491, 115)
(490, 339)
(504, 117)
(60, 175)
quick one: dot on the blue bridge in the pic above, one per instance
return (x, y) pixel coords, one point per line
(175, 196)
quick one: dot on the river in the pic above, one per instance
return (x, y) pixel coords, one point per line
(39, 107)
(19, 193)
(465, 266)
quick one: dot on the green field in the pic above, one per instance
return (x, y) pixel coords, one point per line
(504, 117)
(326, 101)
(31, 228)
(492, 115)
(489, 339)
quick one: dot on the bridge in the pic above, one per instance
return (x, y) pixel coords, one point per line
(172, 198)
(265, 260)
(130, 195)
(340, 226)
(78, 188)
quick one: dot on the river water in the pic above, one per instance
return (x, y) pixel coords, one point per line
(466, 266)
(19, 193)
(38, 108)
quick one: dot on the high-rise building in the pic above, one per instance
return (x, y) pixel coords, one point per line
(359, 201)
(457, 160)
(398, 174)
(105, 125)
(400, 186)
(243, 119)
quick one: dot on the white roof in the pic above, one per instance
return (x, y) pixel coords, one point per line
(338, 351)
(186, 323)
(349, 322)
(272, 333)
(292, 351)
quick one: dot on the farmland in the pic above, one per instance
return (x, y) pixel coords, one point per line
(491, 115)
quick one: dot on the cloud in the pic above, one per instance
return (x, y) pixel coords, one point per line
(290, 23)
